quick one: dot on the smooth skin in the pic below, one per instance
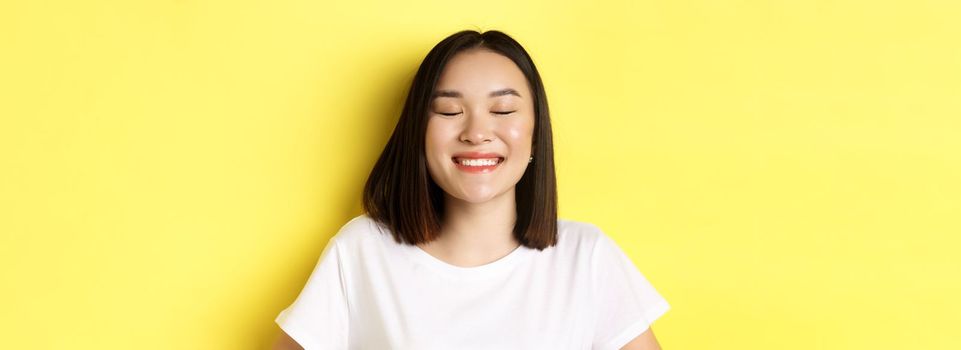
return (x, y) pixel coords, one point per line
(484, 104)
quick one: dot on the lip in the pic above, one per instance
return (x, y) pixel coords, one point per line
(477, 155)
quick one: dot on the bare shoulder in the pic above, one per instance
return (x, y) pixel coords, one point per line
(645, 341)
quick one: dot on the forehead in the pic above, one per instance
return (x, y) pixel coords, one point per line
(477, 73)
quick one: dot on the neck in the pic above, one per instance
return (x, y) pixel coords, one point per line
(476, 233)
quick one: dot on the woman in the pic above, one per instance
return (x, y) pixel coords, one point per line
(460, 246)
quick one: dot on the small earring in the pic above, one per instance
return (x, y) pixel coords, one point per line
(531, 160)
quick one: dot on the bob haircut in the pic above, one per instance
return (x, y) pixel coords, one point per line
(400, 193)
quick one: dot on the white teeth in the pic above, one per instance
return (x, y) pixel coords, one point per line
(479, 162)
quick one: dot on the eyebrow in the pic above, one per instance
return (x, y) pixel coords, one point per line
(453, 93)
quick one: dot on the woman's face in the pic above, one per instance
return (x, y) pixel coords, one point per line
(480, 126)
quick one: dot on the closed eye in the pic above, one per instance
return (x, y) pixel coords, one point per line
(499, 113)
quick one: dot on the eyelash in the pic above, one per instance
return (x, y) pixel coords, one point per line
(498, 113)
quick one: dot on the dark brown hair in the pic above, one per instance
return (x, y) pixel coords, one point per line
(400, 194)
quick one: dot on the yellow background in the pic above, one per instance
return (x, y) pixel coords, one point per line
(786, 173)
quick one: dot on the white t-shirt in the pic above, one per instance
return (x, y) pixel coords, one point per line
(369, 292)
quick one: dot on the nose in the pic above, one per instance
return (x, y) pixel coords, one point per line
(477, 129)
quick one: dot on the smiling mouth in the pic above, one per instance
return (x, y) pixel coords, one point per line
(478, 162)
(478, 165)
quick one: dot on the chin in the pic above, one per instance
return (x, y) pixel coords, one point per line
(477, 197)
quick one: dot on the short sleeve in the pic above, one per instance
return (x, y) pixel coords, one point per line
(627, 302)
(318, 319)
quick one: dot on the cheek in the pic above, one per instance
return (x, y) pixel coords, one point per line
(519, 134)
(431, 145)
(436, 140)
(433, 138)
